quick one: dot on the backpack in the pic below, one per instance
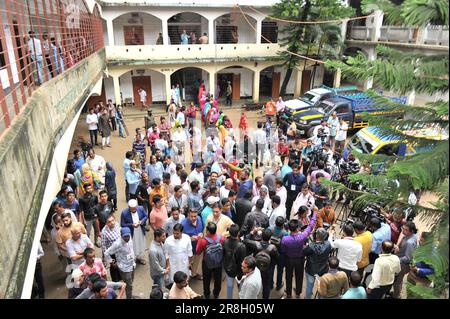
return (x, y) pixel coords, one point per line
(213, 253)
(262, 259)
(276, 240)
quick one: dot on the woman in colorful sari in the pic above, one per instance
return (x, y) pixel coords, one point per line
(87, 177)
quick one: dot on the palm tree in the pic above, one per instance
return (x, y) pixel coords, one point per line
(402, 73)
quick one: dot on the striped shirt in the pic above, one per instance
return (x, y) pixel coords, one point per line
(109, 236)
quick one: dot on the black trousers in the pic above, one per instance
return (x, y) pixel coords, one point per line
(113, 123)
(267, 281)
(228, 102)
(209, 274)
(39, 290)
(296, 265)
(291, 196)
(114, 271)
(379, 292)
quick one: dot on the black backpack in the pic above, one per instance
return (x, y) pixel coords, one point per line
(262, 258)
(213, 253)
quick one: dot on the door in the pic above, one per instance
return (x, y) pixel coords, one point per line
(276, 76)
(306, 81)
(143, 82)
(134, 35)
(95, 99)
(236, 86)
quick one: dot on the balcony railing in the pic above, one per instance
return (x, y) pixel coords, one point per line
(361, 33)
(431, 35)
(437, 35)
(157, 53)
(397, 34)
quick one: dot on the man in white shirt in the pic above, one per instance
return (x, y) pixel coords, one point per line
(179, 254)
(171, 168)
(77, 244)
(225, 189)
(214, 141)
(92, 122)
(278, 210)
(197, 175)
(142, 97)
(35, 49)
(98, 164)
(264, 195)
(251, 282)
(385, 268)
(341, 135)
(281, 191)
(260, 139)
(325, 129)
(349, 250)
(178, 199)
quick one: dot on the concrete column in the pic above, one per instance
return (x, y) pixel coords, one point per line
(258, 31)
(337, 78)
(168, 87)
(421, 35)
(369, 82)
(256, 75)
(211, 33)
(165, 31)
(411, 98)
(110, 31)
(116, 85)
(344, 29)
(377, 24)
(298, 83)
(212, 83)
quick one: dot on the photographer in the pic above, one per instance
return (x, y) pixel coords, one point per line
(321, 133)
(306, 157)
(395, 219)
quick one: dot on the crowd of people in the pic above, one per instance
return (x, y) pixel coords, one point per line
(217, 201)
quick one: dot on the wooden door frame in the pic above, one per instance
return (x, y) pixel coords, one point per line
(275, 89)
(149, 90)
(233, 86)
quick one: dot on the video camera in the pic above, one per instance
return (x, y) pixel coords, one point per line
(348, 168)
(369, 212)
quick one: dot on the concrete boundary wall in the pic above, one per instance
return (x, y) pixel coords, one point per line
(26, 154)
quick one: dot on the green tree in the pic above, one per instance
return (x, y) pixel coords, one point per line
(403, 72)
(316, 40)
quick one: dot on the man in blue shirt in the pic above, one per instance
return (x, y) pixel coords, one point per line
(184, 38)
(293, 183)
(193, 227)
(381, 232)
(355, 291)
(78, 159)
(246, 183)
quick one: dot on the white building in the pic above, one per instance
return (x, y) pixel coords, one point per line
(131, 32)
(132, 29)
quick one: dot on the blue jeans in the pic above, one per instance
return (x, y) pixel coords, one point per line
(309, 285)
(39, 66)
(230, 286)
(158, 280)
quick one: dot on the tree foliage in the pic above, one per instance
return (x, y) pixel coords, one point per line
(403, 73)
(317, 40)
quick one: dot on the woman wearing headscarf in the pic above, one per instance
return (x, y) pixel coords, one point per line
(88, 177)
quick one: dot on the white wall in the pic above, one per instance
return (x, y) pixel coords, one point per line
(109, 89)
(246, 80)
(126, 86)
(152, 28)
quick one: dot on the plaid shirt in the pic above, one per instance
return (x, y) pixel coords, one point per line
(109, 236)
